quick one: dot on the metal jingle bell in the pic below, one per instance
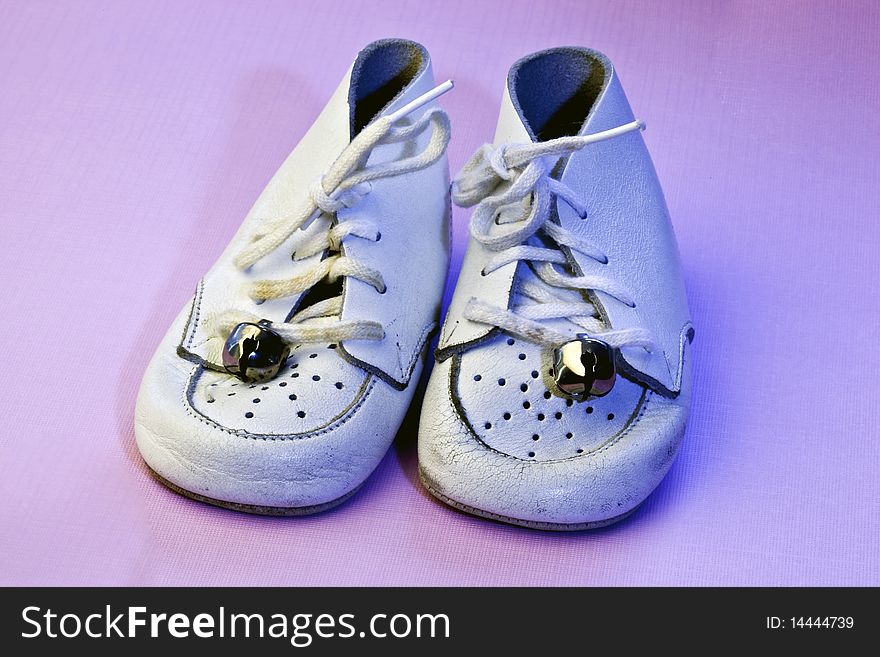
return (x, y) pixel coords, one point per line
(254, 352)
(584, 368)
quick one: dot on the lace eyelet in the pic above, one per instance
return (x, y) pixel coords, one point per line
(483, 272)
(378, 237)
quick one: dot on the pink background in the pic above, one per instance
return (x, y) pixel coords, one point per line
(135, 136)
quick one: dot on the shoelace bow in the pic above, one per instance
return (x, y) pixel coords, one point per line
(347, 180)
(521, 214)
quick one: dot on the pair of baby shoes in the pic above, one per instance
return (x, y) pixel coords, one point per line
(562, 378)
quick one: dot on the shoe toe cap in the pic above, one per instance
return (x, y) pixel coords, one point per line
(605, 470)
(306, 442)
(505, 394)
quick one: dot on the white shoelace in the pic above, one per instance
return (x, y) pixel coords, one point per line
(522, 211)
(347, 180)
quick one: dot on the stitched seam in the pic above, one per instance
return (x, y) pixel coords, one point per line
(442, 354)
(333, 424)
(686, 329)
(197, 312)
(390, 380)
(186, 338)
(188, 344)
(420, 344)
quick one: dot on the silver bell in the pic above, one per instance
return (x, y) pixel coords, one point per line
(254, 352)
(584, 368)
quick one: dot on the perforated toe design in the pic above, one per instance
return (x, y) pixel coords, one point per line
(504, 390)
(314, 388)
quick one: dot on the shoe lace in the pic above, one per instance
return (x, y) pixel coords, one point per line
(346, 181)
(525, 230)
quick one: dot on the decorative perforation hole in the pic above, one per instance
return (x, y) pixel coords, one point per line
(540, 409)
(610, 416)
(248, 415)
(531, 455)
(328, 372)
(536, 436)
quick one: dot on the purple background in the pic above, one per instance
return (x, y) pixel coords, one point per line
(135, 136)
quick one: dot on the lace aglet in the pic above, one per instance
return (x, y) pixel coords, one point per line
(592, 138)
(421, 101)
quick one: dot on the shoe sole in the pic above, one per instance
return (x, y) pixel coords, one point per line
(531, 524)
(255, 509)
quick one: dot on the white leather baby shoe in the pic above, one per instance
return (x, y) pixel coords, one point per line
(562, 382)
(281, 386)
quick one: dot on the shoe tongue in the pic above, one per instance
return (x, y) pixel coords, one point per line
(561, 102)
